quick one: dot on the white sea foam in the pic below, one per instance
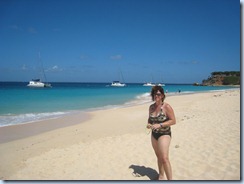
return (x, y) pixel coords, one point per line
(140, 99)
(10, 119)
(13, 119)
(7, 120)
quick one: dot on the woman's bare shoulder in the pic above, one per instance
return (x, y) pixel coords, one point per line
(166, 106)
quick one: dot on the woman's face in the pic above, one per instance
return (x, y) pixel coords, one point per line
(158, 96)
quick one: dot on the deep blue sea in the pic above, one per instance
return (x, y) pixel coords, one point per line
(21, 104)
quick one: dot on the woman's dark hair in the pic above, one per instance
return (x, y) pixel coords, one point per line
(154, 91)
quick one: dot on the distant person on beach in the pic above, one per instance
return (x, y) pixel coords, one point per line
(161, 117)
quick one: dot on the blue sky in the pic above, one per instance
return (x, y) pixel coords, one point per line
(174, 41)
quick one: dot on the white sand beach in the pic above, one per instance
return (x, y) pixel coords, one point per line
(112, 144)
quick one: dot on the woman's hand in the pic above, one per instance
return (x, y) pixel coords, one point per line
(149, 126)
(155, 126)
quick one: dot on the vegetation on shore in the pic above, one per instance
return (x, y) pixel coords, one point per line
(222, 78)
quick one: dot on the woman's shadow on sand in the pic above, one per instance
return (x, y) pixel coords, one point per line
(140, 171)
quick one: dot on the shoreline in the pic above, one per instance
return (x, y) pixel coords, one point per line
(8, 133)
(115, 139)
(138, 100)
(28, 129)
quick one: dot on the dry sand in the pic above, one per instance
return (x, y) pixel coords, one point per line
(112, 144)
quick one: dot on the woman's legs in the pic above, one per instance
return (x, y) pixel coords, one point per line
(155, 147)
(161, 148)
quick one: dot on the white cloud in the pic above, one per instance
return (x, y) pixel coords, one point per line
(54, 69)
(23, 67)
(32, 30)
(193, 62)
(18, 28)
(56, 29)
(83, 57)
(15, 27)
(116, 57)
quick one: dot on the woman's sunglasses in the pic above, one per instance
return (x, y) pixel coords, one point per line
(157, 94)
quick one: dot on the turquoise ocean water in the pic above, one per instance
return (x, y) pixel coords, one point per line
(21, 104)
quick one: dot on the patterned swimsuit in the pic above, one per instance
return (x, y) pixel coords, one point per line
(156, 120)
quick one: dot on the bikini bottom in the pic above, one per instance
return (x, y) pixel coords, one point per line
(157, 135)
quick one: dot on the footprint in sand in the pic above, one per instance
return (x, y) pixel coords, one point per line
(185, 117)
(177, 146)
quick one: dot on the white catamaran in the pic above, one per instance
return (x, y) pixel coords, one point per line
(37, 83)
(149, 84)
(118, 83)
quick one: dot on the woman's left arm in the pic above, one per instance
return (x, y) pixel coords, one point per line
(170, 114)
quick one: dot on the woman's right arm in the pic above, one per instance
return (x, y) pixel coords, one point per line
(148, 122)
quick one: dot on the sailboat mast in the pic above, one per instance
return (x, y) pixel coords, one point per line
(121, 74)
(42, 69)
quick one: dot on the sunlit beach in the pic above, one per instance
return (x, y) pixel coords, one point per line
(120, 90)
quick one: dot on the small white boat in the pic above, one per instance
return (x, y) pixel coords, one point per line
(149, 84)
(117, 84)
(160, 84)
(38, 84)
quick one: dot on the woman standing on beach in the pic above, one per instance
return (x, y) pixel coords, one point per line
(161, 117)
